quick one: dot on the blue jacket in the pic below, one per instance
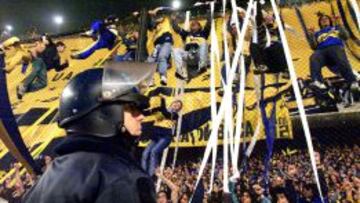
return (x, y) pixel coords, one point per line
(105, 39)
(93, 170)
(2, 59)
(329, 36)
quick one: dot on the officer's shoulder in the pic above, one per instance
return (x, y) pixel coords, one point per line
(91, 160)
(114, 169)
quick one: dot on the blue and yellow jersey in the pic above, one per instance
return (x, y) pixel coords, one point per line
(162, 32)
(329, 36)
(15, 57)
(196, 38)
(158, 113)
(16, 60)
(11, 41)
(130, 42)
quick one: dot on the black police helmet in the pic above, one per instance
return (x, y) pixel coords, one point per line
(84, 109)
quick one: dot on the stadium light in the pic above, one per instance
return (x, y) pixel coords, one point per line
(176, 4)
(9, 28)
(58, 20)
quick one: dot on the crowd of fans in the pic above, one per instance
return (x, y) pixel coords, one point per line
(291, 179)
(262, 45)
(290, 176)
(14, 187)
(43, 56)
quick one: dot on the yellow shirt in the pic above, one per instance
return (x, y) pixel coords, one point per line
(161, 28)
(157, 116)
(16, 60)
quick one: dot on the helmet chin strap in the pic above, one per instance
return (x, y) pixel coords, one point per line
(129, 140)
(123, 129)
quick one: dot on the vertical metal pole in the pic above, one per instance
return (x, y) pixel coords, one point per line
(141, 51)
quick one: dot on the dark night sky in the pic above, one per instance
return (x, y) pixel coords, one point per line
(22, 14)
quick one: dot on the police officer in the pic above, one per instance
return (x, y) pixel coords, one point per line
(102, 119)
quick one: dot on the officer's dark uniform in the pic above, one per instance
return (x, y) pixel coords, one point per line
(95, 164)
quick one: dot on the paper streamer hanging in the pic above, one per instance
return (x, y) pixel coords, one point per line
(214, 57)
(298, 96)
(217, 120)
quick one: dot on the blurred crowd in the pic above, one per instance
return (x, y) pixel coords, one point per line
(20, 181)
(291, 179)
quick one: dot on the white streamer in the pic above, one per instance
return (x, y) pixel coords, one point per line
(178, 126)
(241, 97)
(240, 110)
(220, 115)
(254, 139)
(214, 53)
(228, 110)
(179, 121)
(356, 9)
(298, 96)
(226, 152)
(253, 17)
(162, 166)
(187, 20)
(178, 91)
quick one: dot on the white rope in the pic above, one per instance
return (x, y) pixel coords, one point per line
(181, 92)
(356, 9)
(164, 155)
(254, 139)
(162, 166)
(178, 127)
(229, 109)
(187, 20)
(226, 151)
(253, 17)
(178, 91)
(214, 52)
(178, 130)
(241, 96)
(298, 96)
(240, 111)
(217, 120)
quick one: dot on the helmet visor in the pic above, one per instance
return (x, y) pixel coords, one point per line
(120, 79)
